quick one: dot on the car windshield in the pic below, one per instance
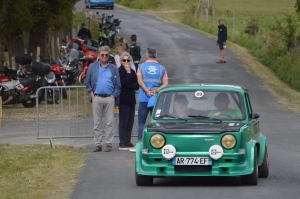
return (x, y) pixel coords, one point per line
(204, 105)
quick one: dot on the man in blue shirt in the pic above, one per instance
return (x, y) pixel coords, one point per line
(103, 84)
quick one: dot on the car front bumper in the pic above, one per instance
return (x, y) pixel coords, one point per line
(218, 168)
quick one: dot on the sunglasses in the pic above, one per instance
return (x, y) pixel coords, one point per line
(104, 55)
(126, 60)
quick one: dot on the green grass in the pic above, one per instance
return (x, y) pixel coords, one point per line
(38, 171)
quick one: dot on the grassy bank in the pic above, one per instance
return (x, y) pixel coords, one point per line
(38, 171)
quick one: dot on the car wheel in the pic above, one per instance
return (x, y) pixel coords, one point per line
(251, 179)
(263, 169)
(112, 7)
(141, 180)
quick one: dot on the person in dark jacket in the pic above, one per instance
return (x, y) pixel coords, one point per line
(127, 102)
(222, 37)
(135, 51)
(84, 33)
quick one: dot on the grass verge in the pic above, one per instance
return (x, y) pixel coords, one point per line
(38, 171)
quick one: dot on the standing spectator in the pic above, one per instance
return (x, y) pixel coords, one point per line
(123, 41)
(84, 33)
(222, 37)
(120, 50)
(111, 58)
(103, 84)
(135, 51)
(127, 101)
(151, 77)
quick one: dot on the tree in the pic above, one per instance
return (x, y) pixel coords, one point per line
(31, 20)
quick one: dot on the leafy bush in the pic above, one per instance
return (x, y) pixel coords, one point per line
(252, 27)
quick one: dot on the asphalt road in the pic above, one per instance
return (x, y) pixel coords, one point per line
(190, 57)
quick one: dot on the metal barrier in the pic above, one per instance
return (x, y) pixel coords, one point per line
(71, 117)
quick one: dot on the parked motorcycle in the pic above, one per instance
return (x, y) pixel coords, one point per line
(58, 70)
(90, 57)
(7, 81)
(72, 65)
(7, 88)
(109, 30)
(25, 88)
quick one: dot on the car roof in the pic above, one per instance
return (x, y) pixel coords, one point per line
(205, 86)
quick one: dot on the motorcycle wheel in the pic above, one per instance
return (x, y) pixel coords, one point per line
(50, 97)
(81, 81)
(63, 91)
(29, 103)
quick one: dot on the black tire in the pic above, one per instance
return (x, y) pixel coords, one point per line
(63, 91)
(50, 97)
(112, 7)
(29, 103)
(141, 180)
(251, 179)
(263, 169)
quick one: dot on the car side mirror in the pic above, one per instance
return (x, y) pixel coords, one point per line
(255, 115)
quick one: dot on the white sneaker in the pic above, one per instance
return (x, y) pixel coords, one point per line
(123, 147)
(132, 149)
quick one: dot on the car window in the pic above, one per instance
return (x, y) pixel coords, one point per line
(183, 104)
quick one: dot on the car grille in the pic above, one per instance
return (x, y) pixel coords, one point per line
(193, 168)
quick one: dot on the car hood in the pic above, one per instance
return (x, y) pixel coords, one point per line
(195, 127)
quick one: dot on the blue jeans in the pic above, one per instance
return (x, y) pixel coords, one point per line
(142, 117)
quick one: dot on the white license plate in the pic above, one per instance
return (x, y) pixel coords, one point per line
(191, 161)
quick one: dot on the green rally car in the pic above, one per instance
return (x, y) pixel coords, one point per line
(202, 130)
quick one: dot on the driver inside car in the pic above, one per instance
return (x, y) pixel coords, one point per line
(180, 106)
(221, 102)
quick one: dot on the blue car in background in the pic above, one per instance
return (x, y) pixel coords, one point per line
(100, 3)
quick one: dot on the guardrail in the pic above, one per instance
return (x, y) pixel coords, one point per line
(68, 118)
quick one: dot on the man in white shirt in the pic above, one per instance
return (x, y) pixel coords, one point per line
(121, 49)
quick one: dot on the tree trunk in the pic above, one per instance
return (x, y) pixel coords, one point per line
(15, 46)
(40, 39)
(3, 16)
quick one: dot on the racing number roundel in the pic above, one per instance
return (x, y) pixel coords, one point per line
(215, 152)
(199, 94)
(168, 151)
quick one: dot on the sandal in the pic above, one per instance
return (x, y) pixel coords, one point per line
(221, 61)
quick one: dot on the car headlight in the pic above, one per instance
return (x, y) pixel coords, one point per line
(228, 141)
(157, 141)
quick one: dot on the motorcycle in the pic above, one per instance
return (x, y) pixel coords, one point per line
(109, 30)
(25, 88)
(11, 77)
(87, 54)
(51, 94)
(58, 70)
(90, 57)
(7, 82)
(72, 66)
